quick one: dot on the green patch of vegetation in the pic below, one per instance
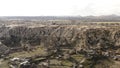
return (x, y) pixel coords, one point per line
(78, 57)
(55, 62)
(4, 64)
(98, 63)
(66, 63)
(38, 59)
(38, 51)
(106, 63)
(87, 64)
(60, 62)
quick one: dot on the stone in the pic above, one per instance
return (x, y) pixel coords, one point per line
(81, 66)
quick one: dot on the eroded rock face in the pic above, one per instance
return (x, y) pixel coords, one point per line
(61, 36)
(92, 41)
(4, 50)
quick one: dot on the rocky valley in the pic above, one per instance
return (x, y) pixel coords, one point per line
(59, 45)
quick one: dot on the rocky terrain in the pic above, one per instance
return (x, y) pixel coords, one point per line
(95, 45)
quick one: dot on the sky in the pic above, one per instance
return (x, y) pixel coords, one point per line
(59, 7)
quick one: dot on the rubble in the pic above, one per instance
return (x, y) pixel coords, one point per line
(18, 62)
(81, 66)
(117, 57)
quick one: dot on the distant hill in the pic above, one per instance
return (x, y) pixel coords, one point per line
(103, 18)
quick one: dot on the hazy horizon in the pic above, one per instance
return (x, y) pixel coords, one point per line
(59, 7)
